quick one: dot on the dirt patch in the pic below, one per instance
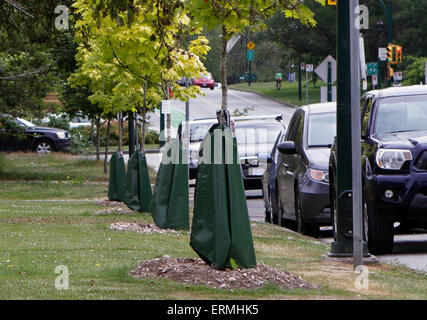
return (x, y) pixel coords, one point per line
(140, 228)
(109, 203)
(114, 211)
(197, 272)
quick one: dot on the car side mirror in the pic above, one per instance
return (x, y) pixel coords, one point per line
(287, 147)
(265, 157)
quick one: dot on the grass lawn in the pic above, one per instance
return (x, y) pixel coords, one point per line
(39, 233)
(288, 92)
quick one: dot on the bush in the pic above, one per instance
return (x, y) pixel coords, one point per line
(152, 137)
(80, 139)
(56, 122)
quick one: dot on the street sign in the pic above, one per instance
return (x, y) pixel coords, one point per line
(372, 68)
(250, 55)
(374, 80)
(322, 69)
(309, 68)
(382, 54)
(250, 45)
(291, 76)
(232, 42)
(302, 66)
(332, 2)
(397, 76)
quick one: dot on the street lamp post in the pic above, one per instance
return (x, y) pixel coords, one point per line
(380, 31)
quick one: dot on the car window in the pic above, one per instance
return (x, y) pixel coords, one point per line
(293, 126)
(400, 114)
(365, 114)
(321, 129)
(198, 131)
(25, 123)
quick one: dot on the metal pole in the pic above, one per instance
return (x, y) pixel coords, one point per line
(249, 78)
(329, 81)
(343, 246)
(355, 138)
(306, 86)
(299, 78)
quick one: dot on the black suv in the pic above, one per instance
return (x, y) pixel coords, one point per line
(394, 163)
(23, 135)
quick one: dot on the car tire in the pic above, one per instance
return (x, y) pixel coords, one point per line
(380, 236)
(43, 147)
(310, 229)
(274, 204)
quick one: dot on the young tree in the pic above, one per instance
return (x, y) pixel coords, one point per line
(144, 53)
(235, 15)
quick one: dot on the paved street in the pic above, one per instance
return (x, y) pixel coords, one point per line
(206, 106)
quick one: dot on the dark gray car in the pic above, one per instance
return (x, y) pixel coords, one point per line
(302, 167)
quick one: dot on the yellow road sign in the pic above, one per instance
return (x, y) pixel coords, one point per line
(250, 45)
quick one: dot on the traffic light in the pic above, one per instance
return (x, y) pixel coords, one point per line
(399, 54)
(390, 53)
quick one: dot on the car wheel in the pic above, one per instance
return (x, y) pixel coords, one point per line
(274, 205)
(267, 210)
(43, 147)
(378, 229)
(303, 227)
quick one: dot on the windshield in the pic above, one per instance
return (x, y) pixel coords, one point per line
(399, 114)
(25, 122)
(199, 130)
(322, 129)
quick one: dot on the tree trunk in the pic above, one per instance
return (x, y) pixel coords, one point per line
(91, 133)
(223, 69)
(106, 145)
(120, 131)
(98, 138)
(143, 129)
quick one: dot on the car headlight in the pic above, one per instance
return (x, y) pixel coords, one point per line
(319, 175)
(392, 159)
(60, 134)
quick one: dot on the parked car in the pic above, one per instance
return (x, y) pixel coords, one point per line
(394, 163)
(39, 139)
(255, 138)
(271, 203)
(183, 82)
(302, 167)
(205, 81)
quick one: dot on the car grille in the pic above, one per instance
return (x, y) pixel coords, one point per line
(421, 162)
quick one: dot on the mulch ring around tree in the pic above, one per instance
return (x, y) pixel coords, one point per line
(140, 228)
(196, 272)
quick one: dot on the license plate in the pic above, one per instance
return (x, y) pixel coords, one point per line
(256, 171)
(203, 84)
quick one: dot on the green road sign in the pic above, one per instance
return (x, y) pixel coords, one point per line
(250, 55)
(372, 68)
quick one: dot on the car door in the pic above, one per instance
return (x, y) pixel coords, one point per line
(290, 164)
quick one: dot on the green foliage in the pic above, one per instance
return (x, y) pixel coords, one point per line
(24, 81)
(415, 70)
(80, 140)
(152, 137)
(9, 129)
(57, 122)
